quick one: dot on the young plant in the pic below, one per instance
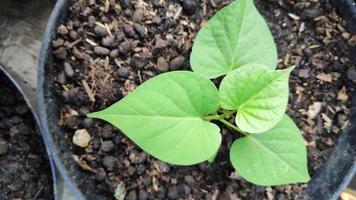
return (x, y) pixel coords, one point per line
(170, 116)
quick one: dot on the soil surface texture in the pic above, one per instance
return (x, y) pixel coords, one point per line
(24, 167)
(105, 49)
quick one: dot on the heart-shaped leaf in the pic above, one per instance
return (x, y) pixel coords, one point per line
(235, 36)
(275, 157)
(259, 95)
(164, 117)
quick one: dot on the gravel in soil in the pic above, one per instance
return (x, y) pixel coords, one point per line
(105, 49)
(24, 166)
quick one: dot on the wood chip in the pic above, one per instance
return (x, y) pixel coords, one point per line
(342, 95)
(286, 59)
(327, 120)
(82, 164)
(325, 77)
(269, 192)
(106, 6)
(294, 16)
(91, 42)
(155, 184)
(108, 29)
(88, 90)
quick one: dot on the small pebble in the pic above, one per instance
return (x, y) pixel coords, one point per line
(91, 21)
(190, 6)
(96, 144)
(73, 35)
(189, 179)
(123, 72)
(141, 157)
(68, 69)
(129, 30)
(140, 30)
(177, 63)
(100, 175)
(22, 109)
(125, 47)
(109, 162)
(107, 146)
(107, 132)
(70, 121)
(108, 41)
(81, 138)
(162, 65)
(120, 36)
(114, 53)
(87, 122)
(185, 189)
(139, 62)
(4, 146)
(62, 30)
(100, 31)
(160, 43)
(131, 195)
(163, 167)
(101, 51)
(351, 73)
(142, 195)
(172, 192)
(138, 15)
(304, 73)
(126, 3)
(60, 53)
(58, 42)
(141, 169)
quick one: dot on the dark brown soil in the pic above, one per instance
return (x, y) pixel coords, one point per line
(105, 49)
(24, 166)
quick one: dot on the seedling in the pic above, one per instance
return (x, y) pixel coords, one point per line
(172, 115)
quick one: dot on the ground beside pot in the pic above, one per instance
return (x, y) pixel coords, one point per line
(25, 171)
(104, 50)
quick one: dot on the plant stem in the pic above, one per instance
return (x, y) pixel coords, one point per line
(212, 117)
(233, 127)
(228, 113)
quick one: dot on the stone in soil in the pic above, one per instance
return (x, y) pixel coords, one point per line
(162, 65)
(4, 146)
(100, 31)
(81, 138)
(177, 63)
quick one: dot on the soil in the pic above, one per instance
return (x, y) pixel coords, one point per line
(105, 49)
(24, 167)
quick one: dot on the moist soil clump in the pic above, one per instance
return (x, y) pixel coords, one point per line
(24, 165)
(105, 49)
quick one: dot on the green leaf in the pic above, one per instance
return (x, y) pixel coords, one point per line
(275, 157)
(259, 95)
(235, 36)
(164, 117)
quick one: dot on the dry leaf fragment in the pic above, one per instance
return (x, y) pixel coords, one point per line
(88, 90)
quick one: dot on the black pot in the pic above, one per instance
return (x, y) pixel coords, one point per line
(10, 79)
(326, 184)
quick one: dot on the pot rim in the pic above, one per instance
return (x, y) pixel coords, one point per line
(46, 41)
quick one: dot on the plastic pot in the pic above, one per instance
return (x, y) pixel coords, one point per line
(326, 184)
(11, 80)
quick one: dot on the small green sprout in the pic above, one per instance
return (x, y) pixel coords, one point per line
(171, 115)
